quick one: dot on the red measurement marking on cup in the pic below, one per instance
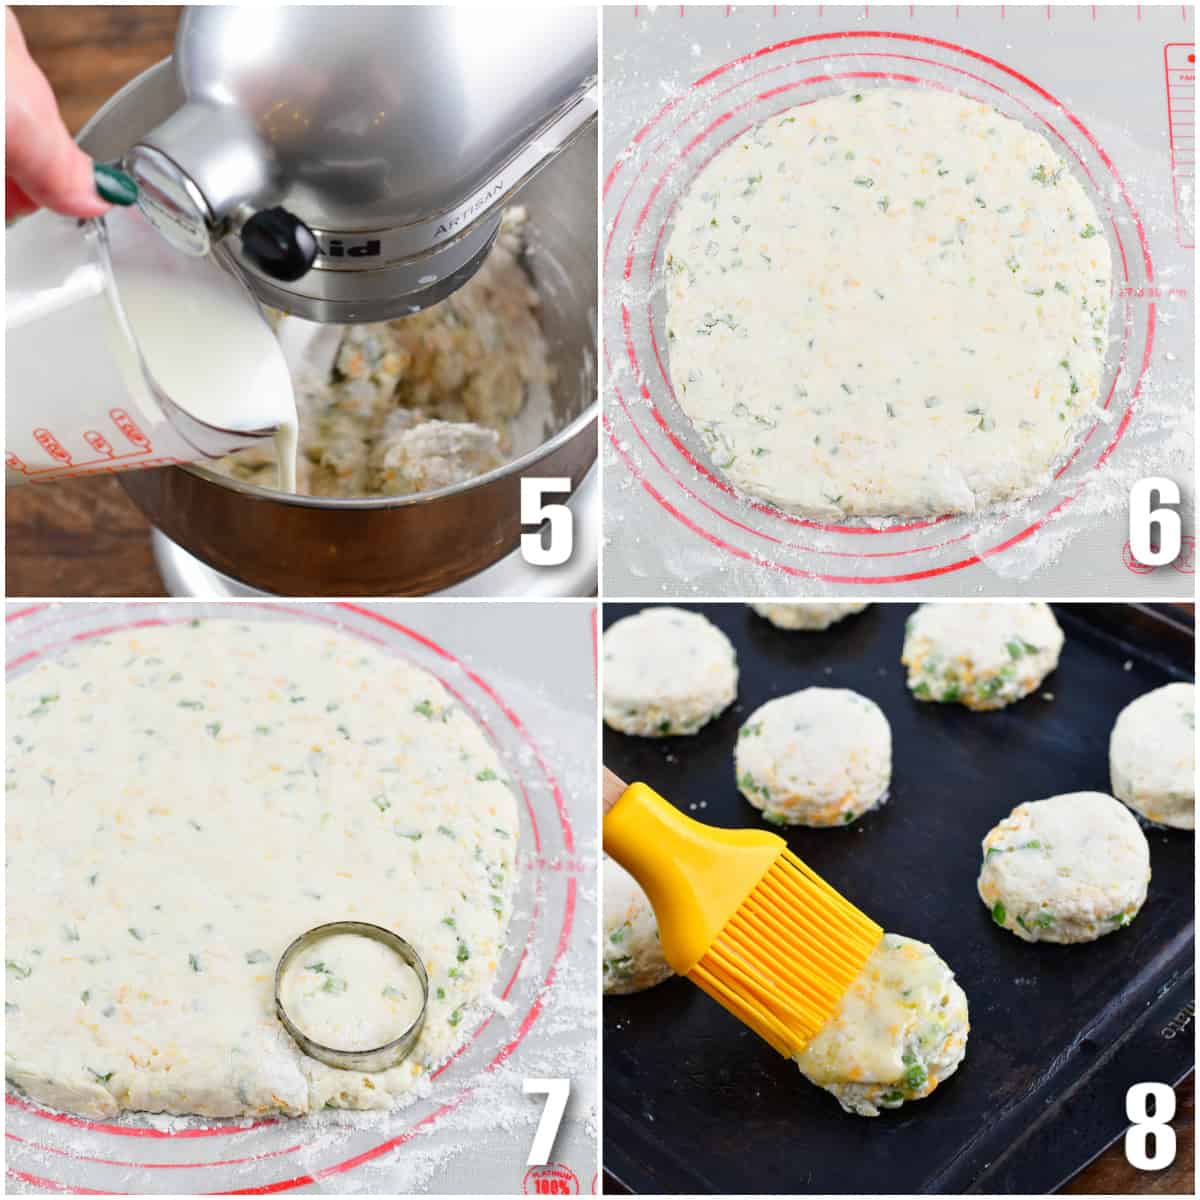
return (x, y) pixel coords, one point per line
(51, 445)
(105, 465)
(99, 443)
(1179, 65)
(129, 427)
(66, 465)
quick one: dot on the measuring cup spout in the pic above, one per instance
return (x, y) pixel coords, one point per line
(123, 353)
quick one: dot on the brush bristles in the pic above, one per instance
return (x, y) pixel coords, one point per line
(787, 956)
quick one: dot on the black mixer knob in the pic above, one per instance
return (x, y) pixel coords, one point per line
(279, 244)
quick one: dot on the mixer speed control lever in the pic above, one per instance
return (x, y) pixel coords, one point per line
(279, 244)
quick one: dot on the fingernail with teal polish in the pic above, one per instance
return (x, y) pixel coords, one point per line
(114, 185)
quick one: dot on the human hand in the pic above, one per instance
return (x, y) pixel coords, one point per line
(43, 166)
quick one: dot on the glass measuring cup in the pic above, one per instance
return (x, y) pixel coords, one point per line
(121, 352)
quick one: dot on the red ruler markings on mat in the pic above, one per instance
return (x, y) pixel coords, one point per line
(1179, 64)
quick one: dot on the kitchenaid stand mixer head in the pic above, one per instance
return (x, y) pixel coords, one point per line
(354, 161)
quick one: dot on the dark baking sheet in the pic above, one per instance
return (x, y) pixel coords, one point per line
(693, 1102)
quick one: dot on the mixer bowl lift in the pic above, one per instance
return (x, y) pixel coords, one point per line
(298, 545)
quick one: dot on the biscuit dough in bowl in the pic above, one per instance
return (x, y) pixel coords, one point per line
(424, 401)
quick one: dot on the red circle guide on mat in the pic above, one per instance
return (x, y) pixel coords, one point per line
(223, 1142)
(651, 435)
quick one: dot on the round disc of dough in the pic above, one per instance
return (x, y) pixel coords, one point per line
(821, 756)
(1068, 869)
(667, 671)
(982, 655)
(808, 615)
(899, 1031)
(183, 802)
(1152, 755)
(632, 954)
(887, 303)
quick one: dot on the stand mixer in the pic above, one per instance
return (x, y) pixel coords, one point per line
(355, 161)
(352, 164)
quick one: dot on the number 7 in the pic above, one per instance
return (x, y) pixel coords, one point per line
(556, 1092)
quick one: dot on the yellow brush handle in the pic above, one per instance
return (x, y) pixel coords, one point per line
(696, 876)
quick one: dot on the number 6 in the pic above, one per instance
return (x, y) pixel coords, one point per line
(1138, 1134)
(1165, 520)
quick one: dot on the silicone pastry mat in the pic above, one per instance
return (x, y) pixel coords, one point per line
(527, 672)
(694, 1102)
(1113, 88)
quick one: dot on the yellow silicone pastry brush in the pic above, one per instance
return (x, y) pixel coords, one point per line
(740, 915)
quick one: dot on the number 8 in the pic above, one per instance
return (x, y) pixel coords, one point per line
(1138, 1134)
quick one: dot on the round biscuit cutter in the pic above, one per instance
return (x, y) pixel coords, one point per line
(380, 1058)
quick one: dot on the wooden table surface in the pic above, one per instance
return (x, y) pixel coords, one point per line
(84, 537)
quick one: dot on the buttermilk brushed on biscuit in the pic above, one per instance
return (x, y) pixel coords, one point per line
(898, 1032)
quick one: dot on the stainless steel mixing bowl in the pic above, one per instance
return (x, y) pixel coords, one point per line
(312, 546)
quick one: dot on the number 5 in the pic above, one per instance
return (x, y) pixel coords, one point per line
(1164, 520)
(556, 1092)
(557, 548)
(1137, 1136)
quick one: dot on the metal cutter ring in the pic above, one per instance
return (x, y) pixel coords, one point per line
(381, 1057)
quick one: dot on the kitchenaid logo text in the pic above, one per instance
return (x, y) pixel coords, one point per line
(488, 196)
(340, 248)
(373, 247)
